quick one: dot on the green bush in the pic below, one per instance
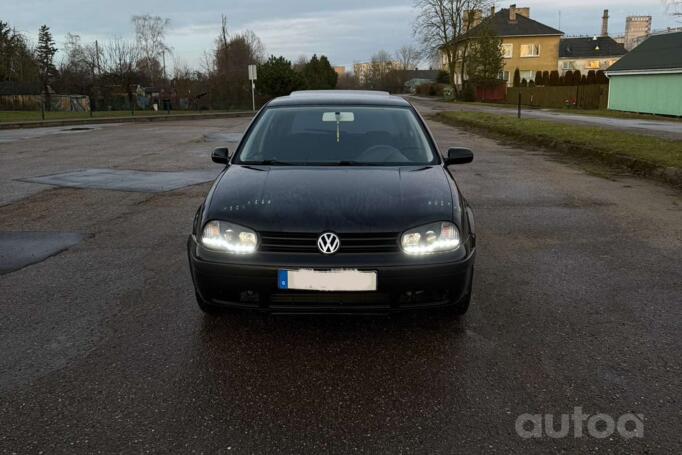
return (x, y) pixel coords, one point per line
(468, 93)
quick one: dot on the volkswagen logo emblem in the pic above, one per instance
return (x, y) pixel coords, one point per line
(328, 243)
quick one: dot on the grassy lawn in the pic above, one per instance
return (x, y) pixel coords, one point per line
(604, 144)
(27, 116)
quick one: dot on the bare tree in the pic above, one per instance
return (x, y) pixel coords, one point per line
(440, 22)
(377, 74)
(150, 34)
(435, 30)
(408, 57)
(674, 8)
(256, 45)
(121, 57)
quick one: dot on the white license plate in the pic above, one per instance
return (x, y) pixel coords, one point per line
(327, 280)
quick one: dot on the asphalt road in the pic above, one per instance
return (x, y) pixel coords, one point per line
(577, 303)
(667, 129)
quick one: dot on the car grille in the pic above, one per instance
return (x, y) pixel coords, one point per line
(281, 242)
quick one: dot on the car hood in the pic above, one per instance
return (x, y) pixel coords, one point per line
(341, 199)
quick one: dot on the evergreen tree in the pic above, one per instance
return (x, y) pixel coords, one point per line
(591, 77)
(16, 59)
(601, 77)
(517, 78)
(485, 63)
(319, 74)
(276, 77)
(568, 78)
(44, 57)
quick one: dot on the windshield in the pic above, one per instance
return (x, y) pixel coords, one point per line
(337, 135)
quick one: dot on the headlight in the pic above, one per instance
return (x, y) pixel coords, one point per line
(431, 238)
(228, 237)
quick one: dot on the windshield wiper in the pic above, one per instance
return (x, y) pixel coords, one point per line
(269, 163)
(347, 163)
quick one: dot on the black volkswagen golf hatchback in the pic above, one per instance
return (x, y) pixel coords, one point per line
(335, 202)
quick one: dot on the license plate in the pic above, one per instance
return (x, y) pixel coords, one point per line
(327, 280)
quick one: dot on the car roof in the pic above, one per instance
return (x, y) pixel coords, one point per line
(355, 97)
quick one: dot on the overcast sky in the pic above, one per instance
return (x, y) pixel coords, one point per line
(347, 31)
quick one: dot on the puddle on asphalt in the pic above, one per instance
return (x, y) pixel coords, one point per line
(14, 135)
(126, 180)
(223, 137)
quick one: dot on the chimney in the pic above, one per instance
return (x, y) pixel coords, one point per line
(512, 12)
(492, 10)
(605, 23)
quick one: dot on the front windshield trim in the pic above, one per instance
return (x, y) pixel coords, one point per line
(332, 163)
(420, 125)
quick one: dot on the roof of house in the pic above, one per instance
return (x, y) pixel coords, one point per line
(422, 74)
(656, 53)
(598, 46)
(501, 25)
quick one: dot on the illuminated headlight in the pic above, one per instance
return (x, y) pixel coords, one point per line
(431, 238)
(229, 238)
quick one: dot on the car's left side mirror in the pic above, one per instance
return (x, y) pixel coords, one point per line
(220, 155)
(459, 155)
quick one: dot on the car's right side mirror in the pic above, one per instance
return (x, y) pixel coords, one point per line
(459, 155)
(220, 155)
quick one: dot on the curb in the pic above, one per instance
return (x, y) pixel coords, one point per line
(140, 119)
(670, 175)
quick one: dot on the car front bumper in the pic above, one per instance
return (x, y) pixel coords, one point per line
(253, 286)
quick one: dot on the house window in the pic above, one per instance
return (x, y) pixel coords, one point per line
(530, 50)
(507, 50)
(567, 65)
(527, 75)
(593, 64)
(504, 76)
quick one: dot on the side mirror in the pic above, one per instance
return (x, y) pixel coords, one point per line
(459, 155)
(220, 155)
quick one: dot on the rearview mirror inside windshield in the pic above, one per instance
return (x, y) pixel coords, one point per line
(338, 117)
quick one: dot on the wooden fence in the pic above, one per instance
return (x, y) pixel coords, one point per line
(594, 96)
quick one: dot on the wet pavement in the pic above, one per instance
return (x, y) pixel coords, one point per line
(126, 180)
(576, 304)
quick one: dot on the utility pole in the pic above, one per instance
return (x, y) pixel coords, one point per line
(96, 71)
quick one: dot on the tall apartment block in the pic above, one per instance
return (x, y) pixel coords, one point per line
(637, 28)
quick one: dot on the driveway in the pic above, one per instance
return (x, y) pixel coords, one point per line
(660, 128)
(576, 304)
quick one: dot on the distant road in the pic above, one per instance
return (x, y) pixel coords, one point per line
(660, 128)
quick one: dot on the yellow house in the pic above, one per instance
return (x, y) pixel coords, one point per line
(527, 44)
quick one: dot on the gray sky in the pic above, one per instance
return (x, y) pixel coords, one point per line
(346, 31)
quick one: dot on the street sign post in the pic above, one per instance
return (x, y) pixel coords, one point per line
(252, 78)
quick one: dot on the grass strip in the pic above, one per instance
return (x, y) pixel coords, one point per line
(644, 155)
